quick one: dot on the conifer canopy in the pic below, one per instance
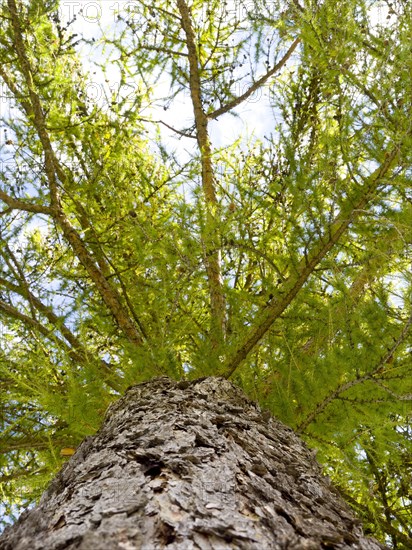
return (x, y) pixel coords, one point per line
(197, 188)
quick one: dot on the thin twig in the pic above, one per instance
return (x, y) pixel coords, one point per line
(256, 85)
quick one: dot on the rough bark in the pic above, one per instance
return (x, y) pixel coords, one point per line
(190, 466)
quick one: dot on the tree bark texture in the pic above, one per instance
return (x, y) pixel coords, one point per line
(189, 465)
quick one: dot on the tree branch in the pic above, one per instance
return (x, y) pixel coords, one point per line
(77, 351)
(212, 253)
(35, 105)
(290, 288)
(17, 204)
(372, 518)
(256, 85)
(366, 377)
(370, 271)
(52, 167)
(11, 311)
(30, 444)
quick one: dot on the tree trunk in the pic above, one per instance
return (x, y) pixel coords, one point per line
(189, 465)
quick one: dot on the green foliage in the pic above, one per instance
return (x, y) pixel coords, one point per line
(132, 247)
